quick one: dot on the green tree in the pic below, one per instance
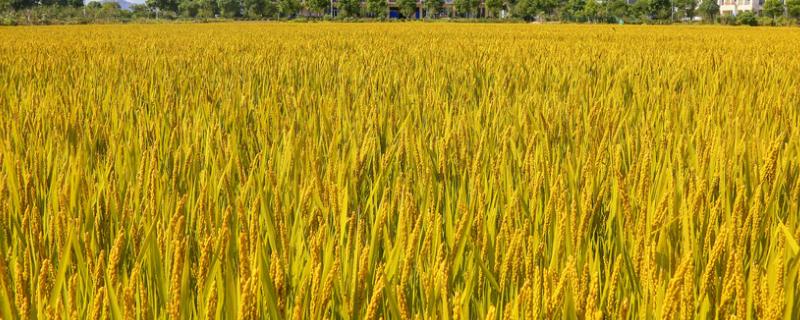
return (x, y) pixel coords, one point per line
(229, 8)
(21, 4)
(591, 10)
(206, 8)
(660, 9)
(547, 6)
(793, 8)
(466, 8)
(573, 10)
(407, 8)
(475, 8)
(709, 9)
(141, 11)
(377, 8)
(111, 6)
(110, 10)
(255, 9)
(493, 7)
(509, 5)
(747, 18)
(773, 9)
(602, 10)
(522, 10)
(527, 9)
(320, 7)
(687, 7)
(461, 8)
(188, 8)
(163, 5)
(617, 9)
(433, 7)
(75, 3)
(640, 9)
(349, 8)
(288, 8)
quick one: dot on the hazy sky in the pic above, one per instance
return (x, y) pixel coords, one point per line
(131, 1)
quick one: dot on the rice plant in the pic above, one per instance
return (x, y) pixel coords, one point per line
(399, 171)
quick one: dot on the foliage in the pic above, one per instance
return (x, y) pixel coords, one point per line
(141, 11)
(660, 9)
(288, 8)
(349, 8)
(377, 8)
(432, 7)
(709, 9)
(165, 5)
(207, 8)
(229, 8)
(793, 8)
(773, 8)
(618, 9)
(110, 8)
(20, 4)
(591, 10)
(493, 8)
(747, 18)
(533, 9)
(319, 7)
(188, 8)
(526, 9)
(466, 8)
(258, 9)
(688, 8)
(408, 8)
(574, 10)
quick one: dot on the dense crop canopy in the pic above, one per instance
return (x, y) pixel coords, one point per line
(403, 171)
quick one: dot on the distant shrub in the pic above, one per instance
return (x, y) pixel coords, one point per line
(747, 18)
(766, 21)
(728, 19)
(7, 21)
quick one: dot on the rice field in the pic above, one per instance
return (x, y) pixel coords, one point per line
(399, 171)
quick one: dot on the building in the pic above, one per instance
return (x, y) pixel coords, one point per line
(733, 7)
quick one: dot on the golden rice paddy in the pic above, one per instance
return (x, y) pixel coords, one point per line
(399, 171)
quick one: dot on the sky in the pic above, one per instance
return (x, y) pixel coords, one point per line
(131, 1)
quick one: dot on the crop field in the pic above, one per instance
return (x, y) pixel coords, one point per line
(399, 171)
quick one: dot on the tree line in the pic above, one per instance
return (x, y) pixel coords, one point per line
(590, 11)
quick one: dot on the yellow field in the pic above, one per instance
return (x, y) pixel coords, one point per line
(399, 171)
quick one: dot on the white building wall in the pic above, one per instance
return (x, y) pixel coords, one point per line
(733, 7)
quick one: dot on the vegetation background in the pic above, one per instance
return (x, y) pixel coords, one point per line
(775, 12)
